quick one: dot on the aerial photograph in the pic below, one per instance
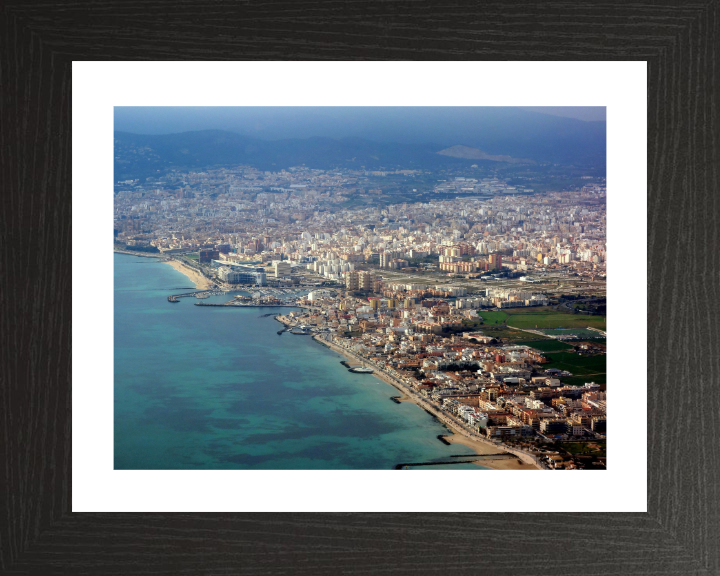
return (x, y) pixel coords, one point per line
(360, 288)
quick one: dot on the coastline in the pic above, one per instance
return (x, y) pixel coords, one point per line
(458, 436)
(199, 280)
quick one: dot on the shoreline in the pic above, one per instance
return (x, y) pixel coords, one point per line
(196, 278)
(480, 447)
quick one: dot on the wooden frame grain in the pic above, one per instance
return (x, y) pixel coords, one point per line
(679, 534)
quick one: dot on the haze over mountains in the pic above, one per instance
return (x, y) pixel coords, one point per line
(469, 153)
(273, 138)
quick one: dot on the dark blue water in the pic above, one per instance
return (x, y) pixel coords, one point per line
(217, 388)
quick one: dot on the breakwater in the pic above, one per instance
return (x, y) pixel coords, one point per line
(139, 254)
(466, 460)
(232, 304)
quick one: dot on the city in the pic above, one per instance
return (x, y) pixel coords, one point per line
(483, 303)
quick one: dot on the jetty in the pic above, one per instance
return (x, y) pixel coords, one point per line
(202, 294)
(470, 459)
(234, 304)
(141, 254)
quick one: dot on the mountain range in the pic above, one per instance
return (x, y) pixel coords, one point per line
(411, 138)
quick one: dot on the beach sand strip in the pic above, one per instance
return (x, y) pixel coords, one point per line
(199, 280)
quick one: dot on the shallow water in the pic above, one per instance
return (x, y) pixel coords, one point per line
(217, 388)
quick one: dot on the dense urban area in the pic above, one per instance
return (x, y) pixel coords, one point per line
(483, 300)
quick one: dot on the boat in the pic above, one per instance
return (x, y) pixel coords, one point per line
(361, 370)
(300, 332)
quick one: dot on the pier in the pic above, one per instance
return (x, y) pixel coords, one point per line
(199, 294)
(233, 304)
(141, 254)
(470, 459)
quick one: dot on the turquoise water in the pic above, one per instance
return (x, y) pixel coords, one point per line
(217, 388)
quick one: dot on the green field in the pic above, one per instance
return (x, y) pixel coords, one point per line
(576, 364)
(556, 320)
(192, 256)
(491, 317)
(540, 318)
(546, 345)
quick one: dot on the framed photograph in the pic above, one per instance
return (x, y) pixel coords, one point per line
(422, 254)
(125, 442)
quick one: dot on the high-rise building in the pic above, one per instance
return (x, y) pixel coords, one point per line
(366, 280)
(281, 268)
(352, 281)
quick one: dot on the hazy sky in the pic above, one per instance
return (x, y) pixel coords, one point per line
(587, 113)
(337, 121)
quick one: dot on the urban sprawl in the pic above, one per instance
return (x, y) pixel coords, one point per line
(479, 305)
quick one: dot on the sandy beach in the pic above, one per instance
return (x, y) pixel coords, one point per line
(479, 446)
(483, 448)
(198, 279)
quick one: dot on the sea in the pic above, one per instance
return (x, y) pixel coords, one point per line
(217, 388)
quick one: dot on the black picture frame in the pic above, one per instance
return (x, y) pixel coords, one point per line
(681, 530)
